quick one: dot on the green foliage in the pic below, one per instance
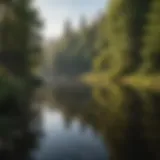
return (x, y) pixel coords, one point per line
(74, 51)
(128, 38)
(11, 86)
(20, 46)
(101, 61)
(21, 32)
(151, 48)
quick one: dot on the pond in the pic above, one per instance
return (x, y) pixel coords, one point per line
(88, 123)
(63, 141)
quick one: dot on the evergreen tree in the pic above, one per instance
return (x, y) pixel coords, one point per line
(83, 23)
(76, 50)
(124, 29)
(151, 48)
(68, 30)
(20, 34)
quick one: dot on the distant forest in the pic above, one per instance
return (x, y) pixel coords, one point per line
(124, 39)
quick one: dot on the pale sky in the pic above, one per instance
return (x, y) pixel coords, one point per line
(54, 12)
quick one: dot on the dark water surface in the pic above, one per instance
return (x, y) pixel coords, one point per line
(81, 123)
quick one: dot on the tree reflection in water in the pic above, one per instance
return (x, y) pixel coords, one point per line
(128, 119)
(16, 136)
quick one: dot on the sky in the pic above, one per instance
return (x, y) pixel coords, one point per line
(55, 12)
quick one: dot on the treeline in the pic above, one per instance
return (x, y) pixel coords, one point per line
(75, 49)
(123, 40)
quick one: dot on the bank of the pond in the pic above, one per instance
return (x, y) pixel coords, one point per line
(141, 81)
(98, 79)
(151, 82)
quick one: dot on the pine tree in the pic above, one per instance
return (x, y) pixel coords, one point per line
(151, 48)
(126, 19)
(20, 35)
(83, 23)
(68, 29)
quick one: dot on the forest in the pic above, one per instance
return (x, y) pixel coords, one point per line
(20, 53)
(20, 48)
(122, 45)
(119, 47)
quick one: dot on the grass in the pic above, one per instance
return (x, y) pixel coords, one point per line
(137, 80)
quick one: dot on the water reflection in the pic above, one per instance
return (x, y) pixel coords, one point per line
(128, 119)
(81, 123)
(61, 141)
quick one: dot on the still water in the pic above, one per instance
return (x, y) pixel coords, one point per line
(66, 142)
(83, 123)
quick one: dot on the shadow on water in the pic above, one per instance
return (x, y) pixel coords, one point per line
(84, 123)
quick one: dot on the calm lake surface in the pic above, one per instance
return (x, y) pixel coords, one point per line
(84, 123)
(63, 141)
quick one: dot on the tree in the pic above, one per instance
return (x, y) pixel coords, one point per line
(151, 48)
(20, 41)
(68, 30)
(20, 34)
(76, 50)
(101, 61)
(83, 23)
(123, 32)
